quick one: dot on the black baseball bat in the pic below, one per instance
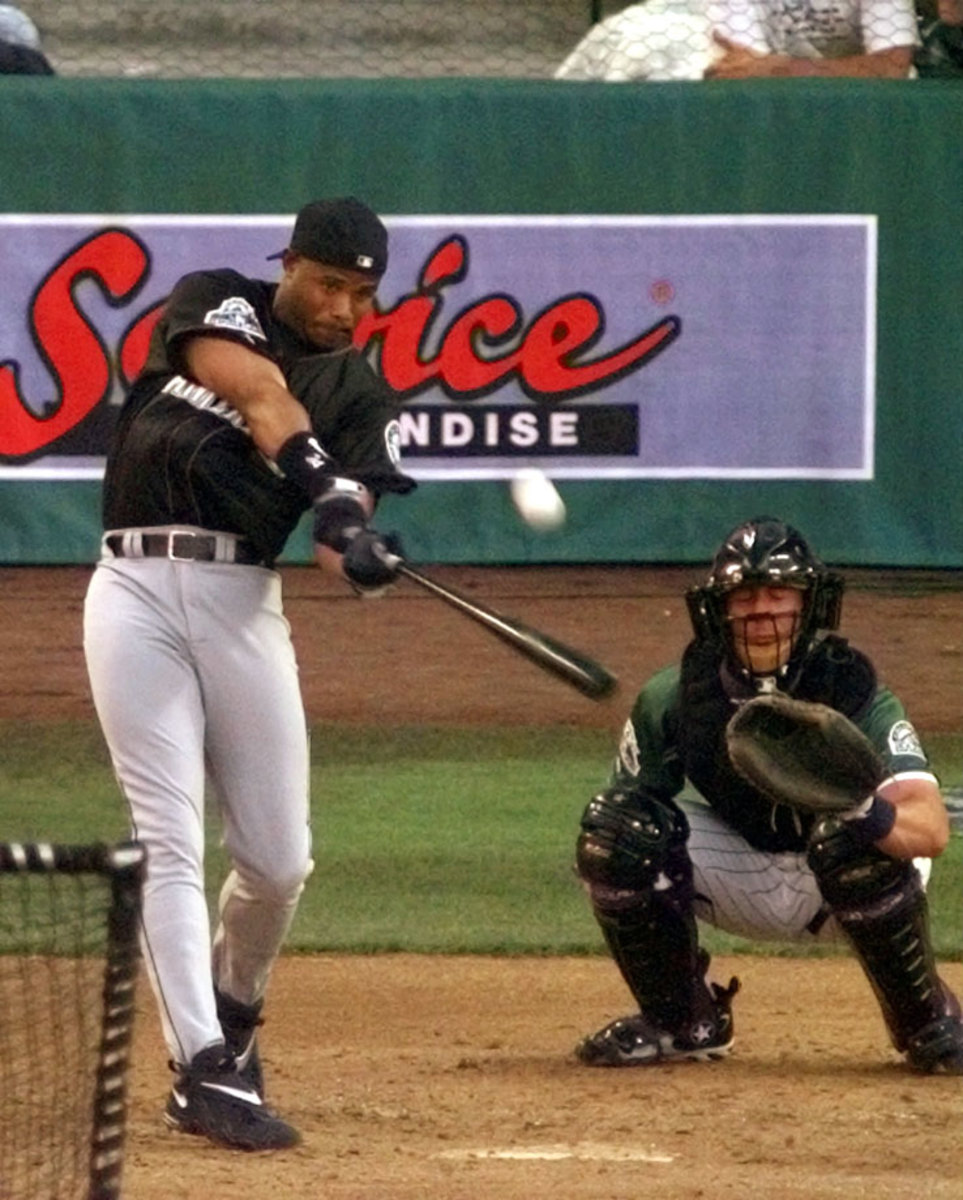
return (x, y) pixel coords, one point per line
(582, 672)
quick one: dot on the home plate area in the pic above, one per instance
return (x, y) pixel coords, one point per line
(453, 1077)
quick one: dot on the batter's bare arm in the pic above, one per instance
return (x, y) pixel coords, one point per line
(253, 385)
(256, 388)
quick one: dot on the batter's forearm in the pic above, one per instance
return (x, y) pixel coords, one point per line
(251, 384)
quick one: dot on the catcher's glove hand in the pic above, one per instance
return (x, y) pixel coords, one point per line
(806, 755)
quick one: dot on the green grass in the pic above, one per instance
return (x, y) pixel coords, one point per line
(429, 840)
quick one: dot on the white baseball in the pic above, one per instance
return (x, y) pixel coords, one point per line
(536, 499)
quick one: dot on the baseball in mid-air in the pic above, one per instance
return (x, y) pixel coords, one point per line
(536, 499)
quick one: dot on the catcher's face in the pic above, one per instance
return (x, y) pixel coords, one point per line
(764, 622)
(322, 304)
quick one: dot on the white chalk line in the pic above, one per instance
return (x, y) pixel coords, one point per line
(582, 1151)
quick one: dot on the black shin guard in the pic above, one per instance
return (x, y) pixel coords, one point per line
(657, 952)
(881, 906)
(632, 859)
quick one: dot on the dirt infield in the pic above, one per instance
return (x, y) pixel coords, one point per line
(421, 1078)
(405, 658)
(452, 1079)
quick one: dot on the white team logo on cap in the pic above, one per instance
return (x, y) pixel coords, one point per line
(364, 262)
(236, 313)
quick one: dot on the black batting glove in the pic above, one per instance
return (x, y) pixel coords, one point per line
(371, 559)
(339, 516)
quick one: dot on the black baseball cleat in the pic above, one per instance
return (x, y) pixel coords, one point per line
(239, 1023)
(937, 1048)
(212, 1100)
(636, 1042)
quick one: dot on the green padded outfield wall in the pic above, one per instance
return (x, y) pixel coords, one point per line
(888, 151)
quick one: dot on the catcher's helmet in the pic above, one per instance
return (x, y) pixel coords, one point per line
(765, 552)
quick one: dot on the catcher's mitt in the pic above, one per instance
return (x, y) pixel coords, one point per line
(807, 755)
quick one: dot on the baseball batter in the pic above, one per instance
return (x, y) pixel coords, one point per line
(678, 835)
(252, 407)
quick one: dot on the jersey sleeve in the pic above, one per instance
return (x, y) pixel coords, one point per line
(354, 415)
(648, 753)
(887, 727)
(213, 303)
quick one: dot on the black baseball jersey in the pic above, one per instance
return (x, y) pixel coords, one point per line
(183, 456)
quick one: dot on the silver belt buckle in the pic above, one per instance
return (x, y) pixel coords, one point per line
(172, 547)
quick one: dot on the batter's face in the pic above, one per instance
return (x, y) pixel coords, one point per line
(764, 622)
(322, 304)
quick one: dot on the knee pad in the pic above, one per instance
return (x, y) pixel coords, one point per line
(852, 875)
(632, 858)
(631, 843)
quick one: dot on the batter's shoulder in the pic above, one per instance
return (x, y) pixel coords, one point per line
(221, 302)
(214, 283)
(223, 277)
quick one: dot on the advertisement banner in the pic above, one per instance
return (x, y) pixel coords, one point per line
(595, 347)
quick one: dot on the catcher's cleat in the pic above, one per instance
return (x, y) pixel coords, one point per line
(239, 1023)
(636, 1042)
(210, 1099)
(937, 1049)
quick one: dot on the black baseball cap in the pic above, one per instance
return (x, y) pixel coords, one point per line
(342, 233)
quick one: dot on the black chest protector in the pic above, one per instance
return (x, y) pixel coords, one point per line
(833, 673)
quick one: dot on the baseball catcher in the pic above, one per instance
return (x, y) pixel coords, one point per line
(769, 785)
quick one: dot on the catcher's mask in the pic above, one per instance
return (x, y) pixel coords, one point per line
(765, 552)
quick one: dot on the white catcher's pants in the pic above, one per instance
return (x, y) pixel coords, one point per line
(194, 679)
(752, 893)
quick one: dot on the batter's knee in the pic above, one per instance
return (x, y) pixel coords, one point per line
(274, 869)
(289, 887)
(281, 885)
(629, 842)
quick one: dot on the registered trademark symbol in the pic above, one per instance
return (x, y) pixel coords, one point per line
(662, 292)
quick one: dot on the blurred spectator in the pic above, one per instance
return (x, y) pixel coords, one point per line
(941, 33)
(658, 40)
(20, 49)
(813, 37)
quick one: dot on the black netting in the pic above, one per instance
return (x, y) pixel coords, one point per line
(68, 925)
(311, 38)
(574, 39)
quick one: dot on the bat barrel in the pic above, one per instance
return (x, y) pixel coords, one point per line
(575, 668)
